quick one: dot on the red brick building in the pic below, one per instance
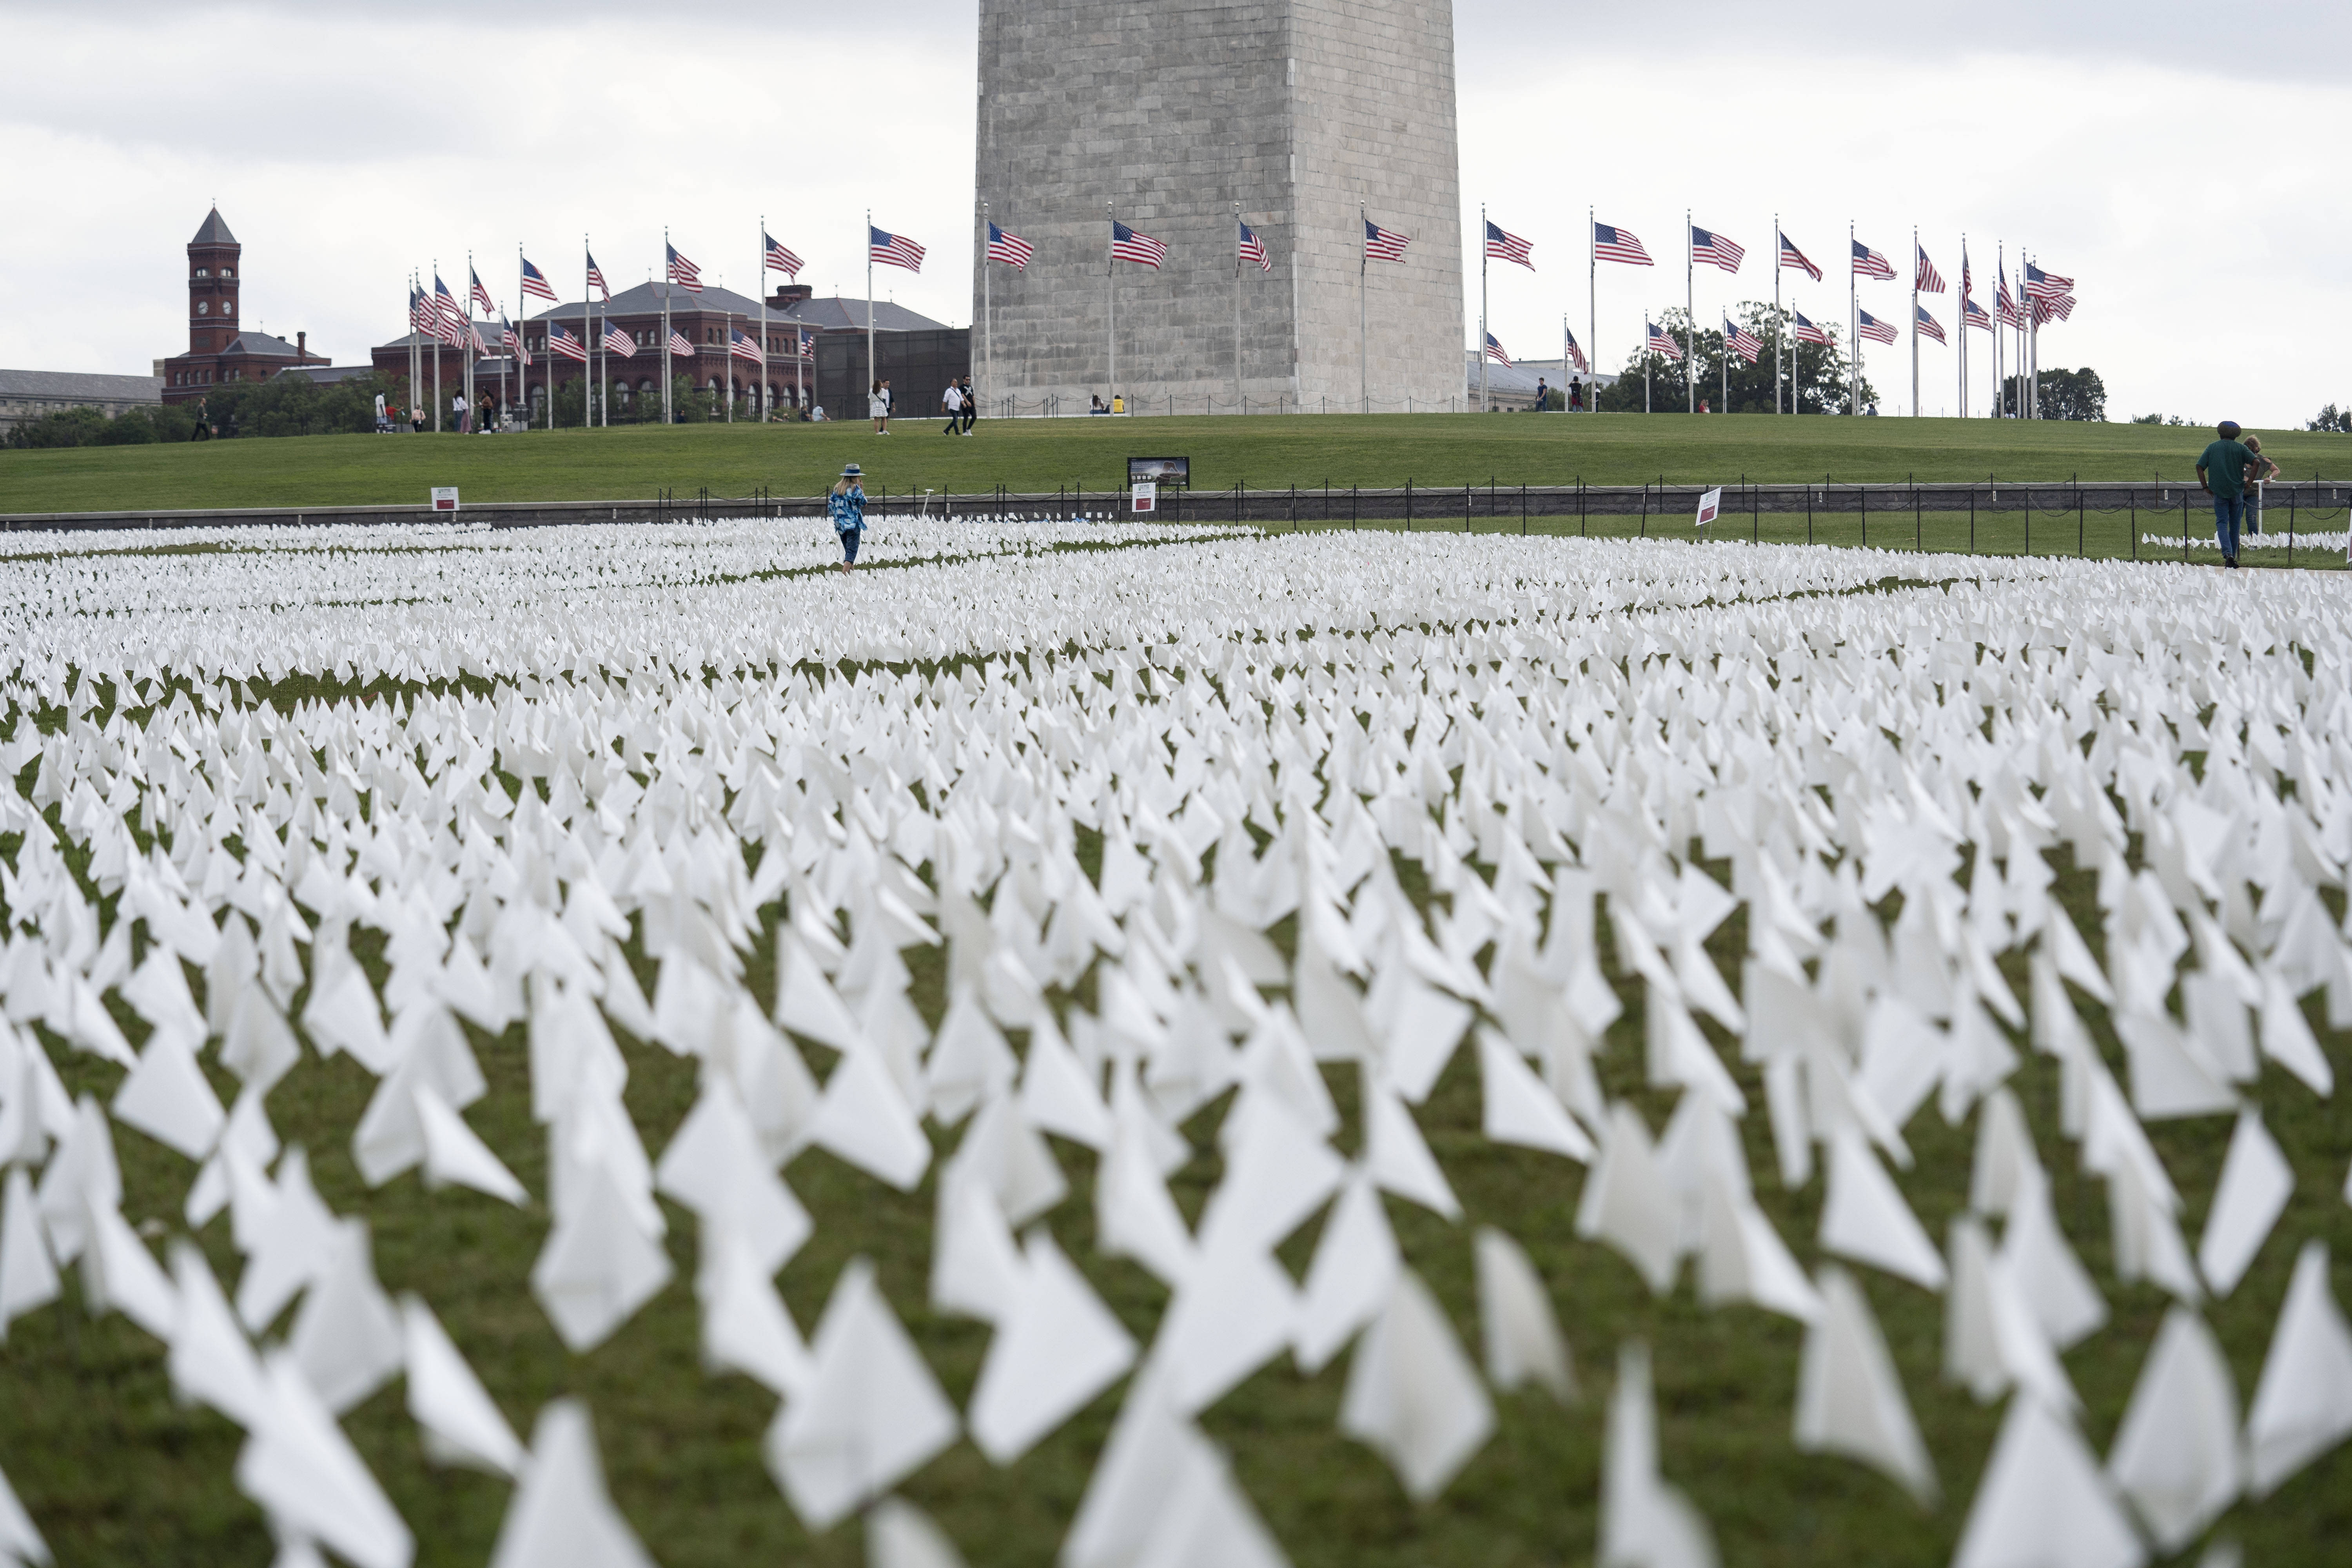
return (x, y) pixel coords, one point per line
(218, 349)
(705, 320)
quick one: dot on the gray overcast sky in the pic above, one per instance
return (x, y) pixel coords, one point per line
(2185, 166)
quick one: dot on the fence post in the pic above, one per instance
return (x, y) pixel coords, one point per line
(1972, 518)
(2078, 517)
(1408, 503)
(2184, 528)
(1583, 528)
(1865, 489)
(1351, 498)
(1523, 511)
(2290, 525)
(1465, 508)
(2135, 524)
(1754, 513)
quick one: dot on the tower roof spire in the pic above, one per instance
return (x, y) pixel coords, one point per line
(214, 231)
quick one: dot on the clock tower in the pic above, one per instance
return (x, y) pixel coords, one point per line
(213, 286)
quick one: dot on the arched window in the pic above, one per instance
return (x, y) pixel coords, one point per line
(204, 272)
(228, 271)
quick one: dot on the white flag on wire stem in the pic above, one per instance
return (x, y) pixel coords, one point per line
(1710, 505)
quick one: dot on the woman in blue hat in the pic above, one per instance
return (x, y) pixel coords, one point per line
(847, 508)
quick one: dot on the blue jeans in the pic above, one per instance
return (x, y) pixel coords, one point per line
(2229, 511)
(850, 538)
(2254, 509)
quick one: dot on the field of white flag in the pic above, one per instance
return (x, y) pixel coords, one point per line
(1126, 1046)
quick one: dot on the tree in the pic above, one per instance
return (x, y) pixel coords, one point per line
(1819, 376)
(2064, 394)
(2335, 419)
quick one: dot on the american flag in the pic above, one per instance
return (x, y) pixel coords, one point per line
(474, 340)
(1928, 326)
(2004, 304)
(1662, 343)
(1126, 245)
(447, 318)
(1973, 314)
(1253, 249)
(1383, 244)
(617, 342)
(1966, 287)
(1744, 344)
(482, 296)
(1494, 351)
(1504, 246)
(2058, 308)
(1611, 244)
(420, 311)
(1010, 249)
(1806, 332)
(1791, 258)
(682, 272)
(743, 346)
(560, 342)
(808, 344)
(1930, 282)
(511, 341)
(1575, 352)
(1713, 248)
(893, 250)
(2041, 285)
(1874, 329)
(1868, 263)
(534, 281)
(596, 279)
(678, 345)
(779, 260)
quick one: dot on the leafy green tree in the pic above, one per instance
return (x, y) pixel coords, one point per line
(2332, 418)
(2064, 394)
(1820, 375)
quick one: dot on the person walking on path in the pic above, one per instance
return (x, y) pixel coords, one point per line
(2222, 474)
(847, 509)
(203, 430)
(970, 406)
(877, 403)
(952, 402)
(2263, 470)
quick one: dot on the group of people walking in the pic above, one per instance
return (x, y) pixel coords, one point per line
(958, 403)
(2232, 472)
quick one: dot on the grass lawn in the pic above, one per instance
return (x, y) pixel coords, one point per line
(1261, 452)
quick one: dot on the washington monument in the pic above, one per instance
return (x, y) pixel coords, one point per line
(1312, 115)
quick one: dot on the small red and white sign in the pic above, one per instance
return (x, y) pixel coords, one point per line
(445, 497)
(1710, 505)
(1143, 495)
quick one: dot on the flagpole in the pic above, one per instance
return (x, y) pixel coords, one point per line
(466, 347)
(1483, 328)
(730, 341)
(987, 310)
(522, 375)
(1593, 312)
(1915, 320)
(872, 371)
(1690, 320)
(1780, 322)
(1723, 360)
(1237, 307)
(1649, 360)
(760, 288)
(437, 351)
(1964, 327)
(1853, 327)
(415, 348)
(1110, 295)
(1363, 321)
(1564, 370)
(665, 326)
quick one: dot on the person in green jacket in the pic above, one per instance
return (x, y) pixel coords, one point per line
(2221, 472)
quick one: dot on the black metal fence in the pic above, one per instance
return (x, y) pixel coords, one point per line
(2109, 517)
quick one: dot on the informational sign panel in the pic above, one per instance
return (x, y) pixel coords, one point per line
(1710, 505)
(1172, 471)
(445, 497)
(1144, 497)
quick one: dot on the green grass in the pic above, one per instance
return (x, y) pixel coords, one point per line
(1262, 452)
(117, 1473)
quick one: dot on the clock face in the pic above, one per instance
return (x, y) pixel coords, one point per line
(204, 308)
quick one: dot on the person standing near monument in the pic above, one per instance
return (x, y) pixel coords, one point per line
(877, 403)
(846, 508)
(970, 406)
(951, 403)
(2221, 473)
